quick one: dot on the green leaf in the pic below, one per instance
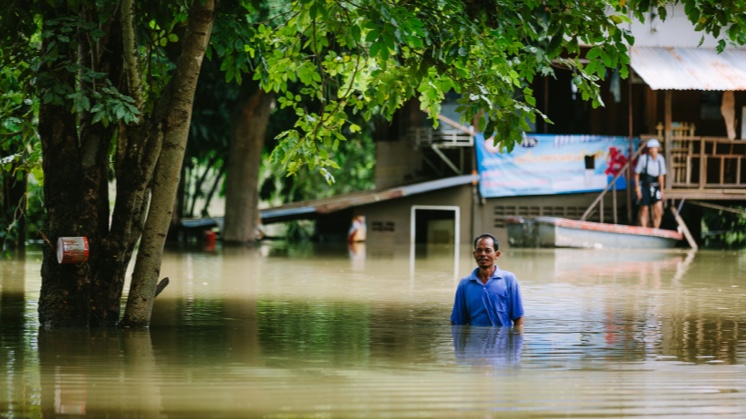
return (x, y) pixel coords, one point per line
(355, 32)
(388, 40)
(375, 49)
(83, 103)
(528, 95)
(720, 46)
(607, 59)
(556, 42)
(372, 36)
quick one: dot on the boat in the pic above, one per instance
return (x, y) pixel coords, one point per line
(563, 232)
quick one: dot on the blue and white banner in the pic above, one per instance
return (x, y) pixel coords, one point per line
(548, 164)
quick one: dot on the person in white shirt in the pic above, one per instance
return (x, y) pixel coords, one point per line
(649, 181)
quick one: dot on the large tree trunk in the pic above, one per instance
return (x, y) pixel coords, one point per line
(177, 110)
(65, 289)
(73, 176)
(75, 164)
(107, 270)
(242, 182)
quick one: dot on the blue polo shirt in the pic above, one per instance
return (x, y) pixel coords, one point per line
(496, 303)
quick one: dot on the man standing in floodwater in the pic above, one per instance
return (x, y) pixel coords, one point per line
(649, 182)
(489, 296)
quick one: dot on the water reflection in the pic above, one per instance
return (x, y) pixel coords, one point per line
(17, 339)
(487, 346)
(449, 254)
(634, 306)
(650, 267)
(94, 373)
(356, 251)
(331, 331)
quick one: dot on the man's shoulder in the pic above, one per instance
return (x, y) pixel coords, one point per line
(471, 276)
(507, 275)
(466, 279)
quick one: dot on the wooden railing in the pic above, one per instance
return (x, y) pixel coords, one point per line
(706, 162)
(426, 137)
(715, 166)
(450, 135)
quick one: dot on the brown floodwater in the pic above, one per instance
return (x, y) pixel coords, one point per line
(299, 331)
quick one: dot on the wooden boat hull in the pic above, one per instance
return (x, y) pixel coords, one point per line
(562, 232)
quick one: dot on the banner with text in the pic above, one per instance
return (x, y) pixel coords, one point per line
(548, 164)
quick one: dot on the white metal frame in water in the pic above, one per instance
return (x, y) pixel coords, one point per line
(456, 232)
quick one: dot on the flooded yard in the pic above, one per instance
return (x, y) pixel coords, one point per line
(291, 331)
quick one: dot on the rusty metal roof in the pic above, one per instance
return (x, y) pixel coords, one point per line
(309, 209)
(669, 68)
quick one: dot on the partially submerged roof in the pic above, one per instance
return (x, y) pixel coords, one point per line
(672, 68)
(308, 209)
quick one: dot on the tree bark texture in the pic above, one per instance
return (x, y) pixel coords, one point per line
(65, 290)
(176, 109)
(75, 164)
(242, 180)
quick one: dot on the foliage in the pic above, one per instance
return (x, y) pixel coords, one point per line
(369, 57)
(723, 20)
(363, 58)
(354, 157)
(30, 210)
(20, 149)
(207, 148)
(360, 59)
(19, 141)
(724, 228)
(114, 91)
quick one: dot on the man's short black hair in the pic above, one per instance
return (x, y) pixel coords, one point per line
(485, 235)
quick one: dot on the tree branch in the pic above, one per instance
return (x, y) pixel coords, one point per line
(132, 66)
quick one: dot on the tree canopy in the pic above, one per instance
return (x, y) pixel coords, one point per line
(368, 57)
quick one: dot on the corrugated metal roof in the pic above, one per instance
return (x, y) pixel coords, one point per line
(340, 202)
(309, 209)
(668, 68)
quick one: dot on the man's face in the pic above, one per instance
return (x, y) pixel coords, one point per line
(485, 253)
